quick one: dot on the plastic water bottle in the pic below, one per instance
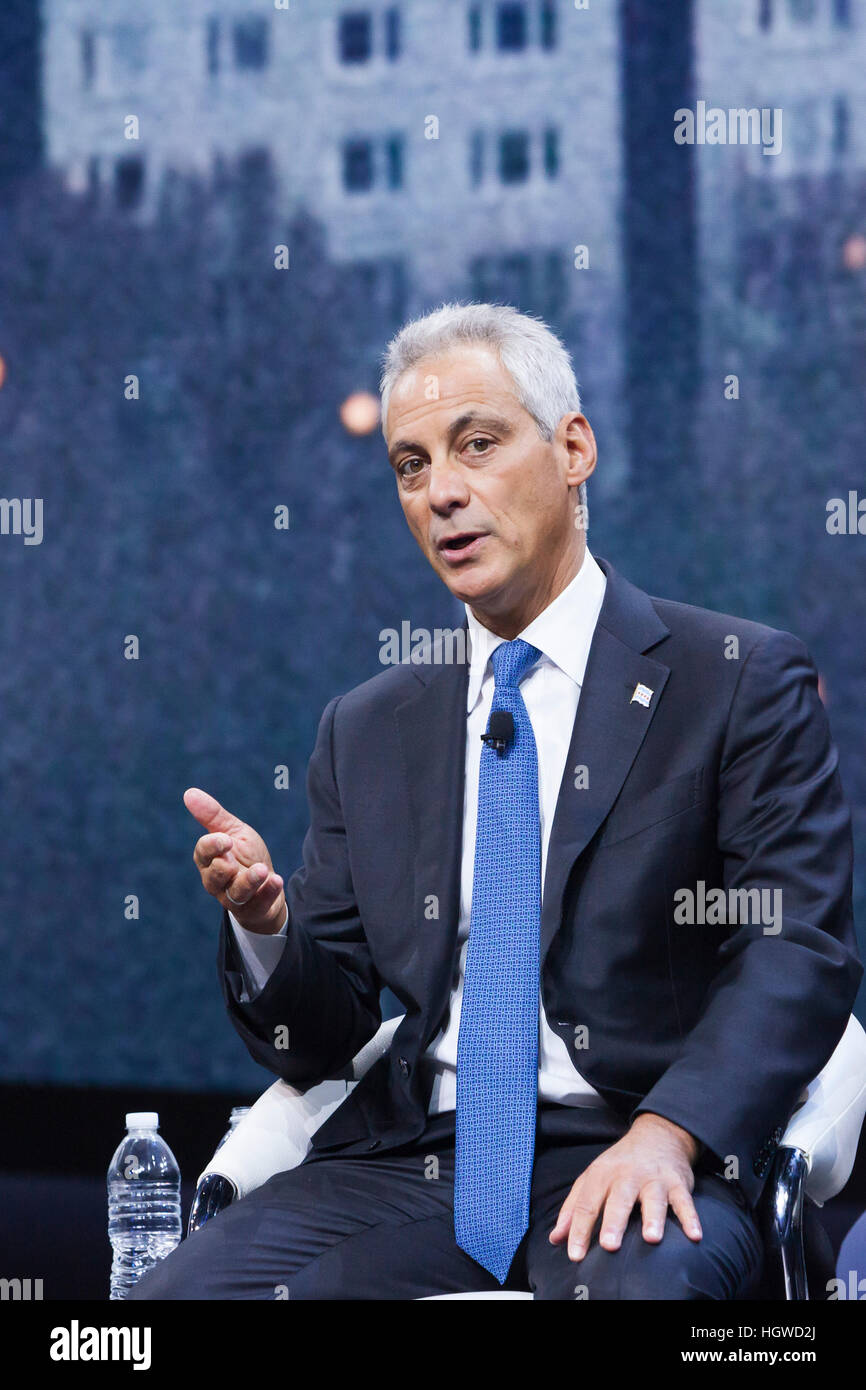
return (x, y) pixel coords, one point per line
(238, 1112)
(143, 1202)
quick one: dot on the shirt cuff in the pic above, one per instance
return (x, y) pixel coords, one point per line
(260, 955)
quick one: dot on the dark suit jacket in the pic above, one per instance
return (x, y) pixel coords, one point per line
(728, 777)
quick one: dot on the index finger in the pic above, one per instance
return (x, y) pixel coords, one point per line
(210, 847)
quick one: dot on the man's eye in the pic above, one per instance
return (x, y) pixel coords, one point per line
(401, 468)
(479, 439)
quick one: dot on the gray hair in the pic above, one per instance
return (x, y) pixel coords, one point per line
(536, 360)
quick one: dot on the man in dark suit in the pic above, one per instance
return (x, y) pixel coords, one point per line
(618, 916)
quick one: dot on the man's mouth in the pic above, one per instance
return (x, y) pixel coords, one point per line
(460, 546)
(458, 542)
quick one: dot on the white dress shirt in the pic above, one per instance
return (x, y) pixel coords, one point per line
(551, 690)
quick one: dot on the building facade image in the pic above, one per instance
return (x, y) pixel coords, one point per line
(448, 148)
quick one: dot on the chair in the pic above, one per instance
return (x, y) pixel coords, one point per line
(812, 1164)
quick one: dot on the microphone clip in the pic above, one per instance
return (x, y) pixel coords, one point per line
(500, 731)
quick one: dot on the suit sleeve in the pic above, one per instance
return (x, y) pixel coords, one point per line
(780, 1000)
(321, 1003)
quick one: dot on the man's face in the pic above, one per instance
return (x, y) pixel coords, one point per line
(486, 498)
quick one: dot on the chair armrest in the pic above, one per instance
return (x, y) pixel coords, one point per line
(378, 1045)
(826, 1125)
(276, 1132)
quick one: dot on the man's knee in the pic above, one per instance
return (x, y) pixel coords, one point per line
(674, 1268)
(724, 1264)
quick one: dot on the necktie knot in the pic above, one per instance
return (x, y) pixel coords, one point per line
(511, 661)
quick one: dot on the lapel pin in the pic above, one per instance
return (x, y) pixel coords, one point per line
(642, 694)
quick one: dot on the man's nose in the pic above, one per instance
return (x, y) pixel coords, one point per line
(447, 487)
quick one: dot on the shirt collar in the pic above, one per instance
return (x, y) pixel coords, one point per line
(562, 632)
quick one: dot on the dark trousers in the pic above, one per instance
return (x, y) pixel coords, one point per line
(381, 1227)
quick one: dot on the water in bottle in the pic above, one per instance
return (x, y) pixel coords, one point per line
(143, 1202)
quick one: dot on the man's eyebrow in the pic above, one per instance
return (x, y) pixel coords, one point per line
(496, 423)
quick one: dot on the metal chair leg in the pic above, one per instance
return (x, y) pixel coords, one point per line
(786, 1183)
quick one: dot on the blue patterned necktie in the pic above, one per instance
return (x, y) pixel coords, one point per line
(497, 1048)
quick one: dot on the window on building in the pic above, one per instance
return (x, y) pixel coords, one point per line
(128, 51)
(357, 166)
(212, 45)
(802, 11)
(765, 14)
(255, 166)
(551, 152)
(355, 37)
(506, 278)
(383, 283)
(553, 289)
(476, 157)
(250, 41)
(842, 13)
(517, 277)
(511, 27)
(394, 161)
(514, 156)
(368, 163)
(393, 35)
(474, 28)
(536, 282)
(804, 128)
(129, 181)
(88, 57)
(549, 35)
(841, 125)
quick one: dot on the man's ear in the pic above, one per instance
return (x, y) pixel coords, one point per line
(578, 439)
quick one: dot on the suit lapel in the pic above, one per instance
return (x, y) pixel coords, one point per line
(608, 730)
(431, 728)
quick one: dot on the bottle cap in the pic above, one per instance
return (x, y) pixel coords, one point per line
(142, 1119)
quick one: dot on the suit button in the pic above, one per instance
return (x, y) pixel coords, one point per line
(404, 1066)
(375, 1144)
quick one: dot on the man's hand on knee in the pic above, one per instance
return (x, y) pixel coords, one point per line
(652, 1164)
